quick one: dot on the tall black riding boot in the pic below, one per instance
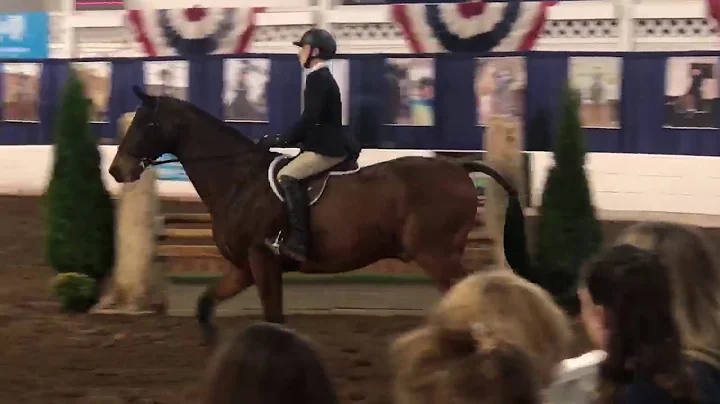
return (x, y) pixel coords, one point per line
(295, 245)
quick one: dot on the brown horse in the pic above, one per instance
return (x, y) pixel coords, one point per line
(413, 208)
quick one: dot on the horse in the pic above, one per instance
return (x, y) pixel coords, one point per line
(417, 209)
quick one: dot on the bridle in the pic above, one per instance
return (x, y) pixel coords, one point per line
(155, 125)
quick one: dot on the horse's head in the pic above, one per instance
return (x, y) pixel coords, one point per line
(152, 133)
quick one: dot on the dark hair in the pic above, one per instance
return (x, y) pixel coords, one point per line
(694, 280)
(268, 364)
(633, 287)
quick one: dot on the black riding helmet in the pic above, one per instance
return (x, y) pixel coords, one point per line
(318, 39)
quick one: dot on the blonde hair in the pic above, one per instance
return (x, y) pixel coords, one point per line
(499, 333)
(695, 282)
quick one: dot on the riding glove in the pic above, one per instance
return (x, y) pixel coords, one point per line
(270, 141)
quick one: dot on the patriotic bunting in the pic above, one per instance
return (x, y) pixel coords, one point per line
(476, 26)
(193, 31)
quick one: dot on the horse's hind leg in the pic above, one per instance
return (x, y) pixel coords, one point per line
(439, 257)
(234, 281)
(267, 270)
(444, 269)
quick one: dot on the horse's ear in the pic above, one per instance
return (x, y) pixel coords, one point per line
(142, 95)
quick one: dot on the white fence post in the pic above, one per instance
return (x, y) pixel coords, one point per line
(69, 41)
(625, 14)
(323, 12)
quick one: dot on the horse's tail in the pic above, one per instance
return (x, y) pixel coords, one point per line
(514, 239)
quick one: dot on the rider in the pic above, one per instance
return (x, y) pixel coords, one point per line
(319, 131)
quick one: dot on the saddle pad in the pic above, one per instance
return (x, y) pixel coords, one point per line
(315, 184)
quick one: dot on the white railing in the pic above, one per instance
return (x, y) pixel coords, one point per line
(618, 25)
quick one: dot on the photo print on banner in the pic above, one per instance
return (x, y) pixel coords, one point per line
(340, 69)
(411, 87)
(245, 83)
(500, 85)
(691, 91)
(169, 78)
(21, 85)
(96, 78)
(599, 81)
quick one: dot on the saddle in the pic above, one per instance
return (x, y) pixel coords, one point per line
(315, 184)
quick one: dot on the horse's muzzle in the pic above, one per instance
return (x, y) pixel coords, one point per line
(126, 169)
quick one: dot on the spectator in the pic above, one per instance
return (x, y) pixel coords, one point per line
(695, 288)
(268, 364)
(493, 338)
(468, 366)
(694, 281)
(626, 308)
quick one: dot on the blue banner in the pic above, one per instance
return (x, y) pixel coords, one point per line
(649, 102)
(24, 36)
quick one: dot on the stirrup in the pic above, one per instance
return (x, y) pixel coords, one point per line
(275, 246)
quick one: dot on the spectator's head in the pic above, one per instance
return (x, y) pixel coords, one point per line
(526, 313)
(529, 330)
(462, 366)
(694, 280)
(626, 307)
(268, 364)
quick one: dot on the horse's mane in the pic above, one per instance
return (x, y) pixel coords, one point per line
(249, 189)
(215, 122)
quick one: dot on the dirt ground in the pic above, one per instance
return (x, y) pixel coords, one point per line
(51, 358)
(47, 357)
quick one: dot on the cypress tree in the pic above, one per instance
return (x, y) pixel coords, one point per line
(569, 232)
(79, 211)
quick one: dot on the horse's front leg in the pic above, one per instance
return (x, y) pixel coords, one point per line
(234, 281)
(267, 272)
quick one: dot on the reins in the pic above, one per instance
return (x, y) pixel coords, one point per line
(145, 162)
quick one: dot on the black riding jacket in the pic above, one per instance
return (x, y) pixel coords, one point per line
(320, 127)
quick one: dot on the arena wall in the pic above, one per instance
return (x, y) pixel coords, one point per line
(620, 182)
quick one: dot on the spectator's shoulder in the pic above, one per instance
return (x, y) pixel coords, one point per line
(576, 379)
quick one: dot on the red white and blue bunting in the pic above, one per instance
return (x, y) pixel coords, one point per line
(476, 26)
(713, 10)
(193, 31)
